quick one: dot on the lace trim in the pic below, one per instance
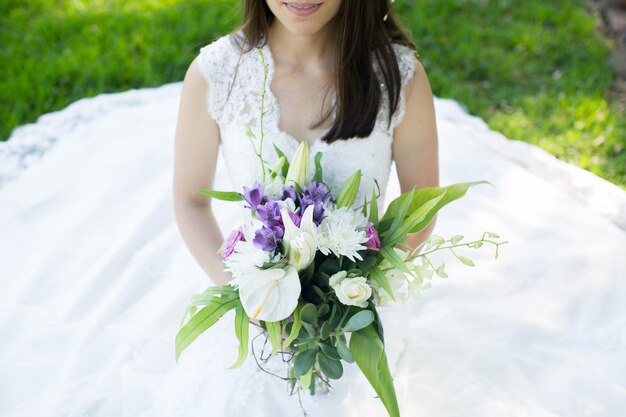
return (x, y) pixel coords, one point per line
(234, 93)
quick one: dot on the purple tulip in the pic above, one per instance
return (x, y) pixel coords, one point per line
(373, 241)
(229, 245)
(268, 238)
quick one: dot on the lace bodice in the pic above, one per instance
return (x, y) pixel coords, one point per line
(235, 83)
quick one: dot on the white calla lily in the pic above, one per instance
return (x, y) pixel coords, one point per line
(270, 294)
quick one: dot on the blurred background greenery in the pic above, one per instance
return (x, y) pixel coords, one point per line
(535, 70)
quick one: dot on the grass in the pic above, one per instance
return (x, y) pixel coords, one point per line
(536, 71)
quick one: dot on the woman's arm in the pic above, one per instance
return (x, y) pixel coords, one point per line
(195, 158)
(415, 144)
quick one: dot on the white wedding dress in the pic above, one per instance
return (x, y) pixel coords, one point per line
(94, 276)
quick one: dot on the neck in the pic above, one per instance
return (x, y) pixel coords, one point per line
(302, 51)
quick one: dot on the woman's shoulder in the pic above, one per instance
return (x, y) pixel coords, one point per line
(407, 61)
(217, 56)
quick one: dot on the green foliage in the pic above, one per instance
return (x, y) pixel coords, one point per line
(242, 328)
(215, 308)
(368, 351)
(220, 195)
(347, 193)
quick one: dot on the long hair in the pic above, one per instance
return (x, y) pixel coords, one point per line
(362, 34)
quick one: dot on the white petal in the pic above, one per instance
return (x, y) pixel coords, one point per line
(270, 294)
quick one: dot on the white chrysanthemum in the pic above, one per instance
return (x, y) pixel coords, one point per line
(245, 258)
(342, 232)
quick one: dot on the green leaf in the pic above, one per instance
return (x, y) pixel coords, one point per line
(422, 195)
(325, 330)
(413, 221)
(394, 259)
(220, 195)
(456, 239)
(242, 327)
(318, 177)
(329, 351)
(304, 361)
(343, 351)
(285, 167)
(364, 208)
(305, 380)
(202, 320)
(402, 212)
(309, 314)
(207, 295)
(347, 193)
(466, 261)
(440, 272)
(332, 368)
(374, 209)
(322, 310)
(369, 355)
(377, 275)
(296, 326)
(274, 332)
(492, 235)
(309, 329)
(359, 321)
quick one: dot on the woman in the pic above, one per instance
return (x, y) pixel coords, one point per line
(313, 50)
(94, 274)
(317, 48)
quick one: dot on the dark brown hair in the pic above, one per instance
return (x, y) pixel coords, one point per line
(361, 32)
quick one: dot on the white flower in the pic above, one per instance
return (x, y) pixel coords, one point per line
(300, 242)
(270, 294)
(274, 188)
(351, 291)
(287, 204)
(342, 232)
(299, 171)
(245, 258)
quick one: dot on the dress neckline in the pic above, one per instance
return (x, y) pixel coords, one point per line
(275, 104)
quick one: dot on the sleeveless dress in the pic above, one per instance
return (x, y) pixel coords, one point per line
(95, 277)
(234, 100)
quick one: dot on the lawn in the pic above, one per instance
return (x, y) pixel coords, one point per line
(536, 71)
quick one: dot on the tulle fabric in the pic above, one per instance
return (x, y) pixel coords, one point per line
(95, 278)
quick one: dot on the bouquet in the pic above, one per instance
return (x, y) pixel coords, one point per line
(311, 268)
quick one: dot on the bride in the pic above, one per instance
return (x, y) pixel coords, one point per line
(99, 256)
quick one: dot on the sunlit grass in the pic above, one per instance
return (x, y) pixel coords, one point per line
(537, 71)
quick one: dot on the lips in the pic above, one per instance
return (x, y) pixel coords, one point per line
(302, 9)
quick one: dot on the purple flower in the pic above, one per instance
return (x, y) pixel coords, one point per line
(269, 213)
(229, 245)
(289, 192)
(254, 196)
(373, 241)
(295, 218)
(268, 238)
(316, 194)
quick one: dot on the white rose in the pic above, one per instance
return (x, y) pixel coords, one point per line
(351, 291)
